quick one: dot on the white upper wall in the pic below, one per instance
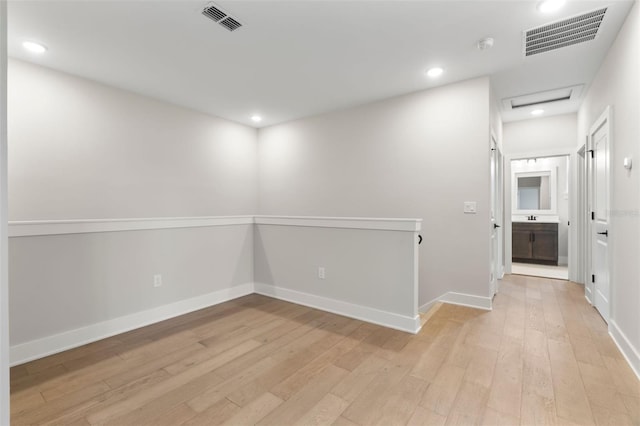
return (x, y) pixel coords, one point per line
(617, 85)
(540, 134)
(81, 150)
(420, 155)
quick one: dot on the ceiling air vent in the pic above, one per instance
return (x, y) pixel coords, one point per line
(216, 14)
(563, 33)
(230, 24)
(212, 12)
(571, 93)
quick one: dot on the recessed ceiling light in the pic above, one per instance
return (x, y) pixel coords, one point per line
(537, 112)
(548, 6)
(34, 47)
(435, 72)
(256, 118)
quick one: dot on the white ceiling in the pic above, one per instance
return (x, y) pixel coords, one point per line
(298, 58)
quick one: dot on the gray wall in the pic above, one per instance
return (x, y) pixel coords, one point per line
(617, 85)
(64, 282)
(372, 268)
(83, 150)
(540, 134)
(99, 152)
(420, 155)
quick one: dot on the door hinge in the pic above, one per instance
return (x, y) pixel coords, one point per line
(593, 215)
(593, 278)
(568, 223)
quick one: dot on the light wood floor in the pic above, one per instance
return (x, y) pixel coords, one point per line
(542, 356)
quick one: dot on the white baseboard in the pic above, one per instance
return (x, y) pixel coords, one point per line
(587, 294)
(45, 346)
(631, 354)
(462, 299)
(563, 260)
(425, 308)
(351, 310)
(469, 300)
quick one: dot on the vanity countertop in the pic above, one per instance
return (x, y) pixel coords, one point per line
(539, 219)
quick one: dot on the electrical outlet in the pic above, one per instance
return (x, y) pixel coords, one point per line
(157, 280)
(321, 272)
(470, 207)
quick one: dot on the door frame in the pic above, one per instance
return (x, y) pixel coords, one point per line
(497, 189)
(4, 239)
(582, 224)
(603, 120)
(508, 225)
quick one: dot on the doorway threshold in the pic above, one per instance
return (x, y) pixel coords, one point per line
(544, 271)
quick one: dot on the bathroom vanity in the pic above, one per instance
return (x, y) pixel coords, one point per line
(535, 242)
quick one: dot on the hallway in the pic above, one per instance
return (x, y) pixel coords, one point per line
(542, 356)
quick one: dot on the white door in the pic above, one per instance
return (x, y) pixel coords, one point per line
(495, 226)
(599, 205)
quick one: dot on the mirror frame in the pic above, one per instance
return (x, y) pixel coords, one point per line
(553, 187)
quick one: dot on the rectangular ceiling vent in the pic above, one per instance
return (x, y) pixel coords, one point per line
(567, 32)
(549, 96)
(230, 24)
(216, 14)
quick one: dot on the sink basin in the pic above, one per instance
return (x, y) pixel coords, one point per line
(539, 219)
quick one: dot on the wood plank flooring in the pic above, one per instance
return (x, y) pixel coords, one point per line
(542, 356)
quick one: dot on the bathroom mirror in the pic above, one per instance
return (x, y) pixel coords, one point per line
(534, 192)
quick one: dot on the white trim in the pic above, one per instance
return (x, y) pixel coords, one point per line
(468, 300)
(425, 308)
(604, 120)
(587, 294)
(81, 226)
(553, 193)
(563, 260)
(4, 278)
(630, 353)
(351, 310)
(58, 227)
(411, 225)
(559, 152)
(39, 348)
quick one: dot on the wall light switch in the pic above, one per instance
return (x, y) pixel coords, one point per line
(157, 280)
(470, 207)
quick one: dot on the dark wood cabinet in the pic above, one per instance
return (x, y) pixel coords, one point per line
(535, 243)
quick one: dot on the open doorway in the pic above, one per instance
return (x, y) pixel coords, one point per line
(540, 216)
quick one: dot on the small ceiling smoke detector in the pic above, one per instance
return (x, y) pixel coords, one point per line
(34, 47)
(548, 6)
(485, 43)
(435, 72)
(537, 112)
(256, 118)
